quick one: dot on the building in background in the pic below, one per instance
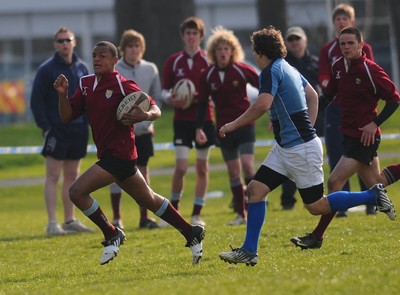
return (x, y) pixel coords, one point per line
(27, 28)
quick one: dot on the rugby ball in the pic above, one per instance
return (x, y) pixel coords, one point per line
(138, 98)
(184, 89)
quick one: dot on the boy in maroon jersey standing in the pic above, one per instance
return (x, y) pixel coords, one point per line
(189, 63)
(343, 15)
(225, 81)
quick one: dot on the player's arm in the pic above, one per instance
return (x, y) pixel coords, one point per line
(64, 106)
(202, 107)
(40, 90)
(201, 137)
(312, 102)
(255, 111)
(369, 130)
(324, 67)
(138, 115)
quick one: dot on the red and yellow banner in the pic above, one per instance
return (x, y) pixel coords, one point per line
(12, 97)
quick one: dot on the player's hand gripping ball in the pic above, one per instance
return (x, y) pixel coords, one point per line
(128, 103)
(185, 90)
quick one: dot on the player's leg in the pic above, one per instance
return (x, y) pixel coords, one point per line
(70, 174)
(145, 221)
(287, 196)
(390, 174)
(145, 149)
(181, 165)
(183, 142)
(202, 173)
(139, 190)
(201, 186)
(71, 170)
(265, 180)
(53, 172)
(115, 196)
(334, 144)
(246, 155)
(232, 162)
(96, 177)
(341, 200)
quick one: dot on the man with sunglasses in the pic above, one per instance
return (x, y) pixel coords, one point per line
(65, 144)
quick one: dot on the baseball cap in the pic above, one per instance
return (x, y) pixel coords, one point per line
(295, 31)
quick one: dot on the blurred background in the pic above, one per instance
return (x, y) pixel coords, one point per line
(27, 31)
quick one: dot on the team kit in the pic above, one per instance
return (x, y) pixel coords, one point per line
(122, 99)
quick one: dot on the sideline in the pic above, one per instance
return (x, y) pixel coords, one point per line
(24, 150)
(154, 172)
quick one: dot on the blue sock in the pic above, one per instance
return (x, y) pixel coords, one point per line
(342, 200)
(256, 213)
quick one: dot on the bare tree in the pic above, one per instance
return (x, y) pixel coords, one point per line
(157, 20)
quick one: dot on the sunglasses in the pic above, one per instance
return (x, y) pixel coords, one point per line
(68, 40)
(293, 38)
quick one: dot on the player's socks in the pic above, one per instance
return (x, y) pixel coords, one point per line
(115, 202)
(256, 213)
(143, 213)
(95, 214)
(197, 206)
(175, 198)
(343, 200)
(168, 213)
(238, 196)
(392, 173)
(323, 223)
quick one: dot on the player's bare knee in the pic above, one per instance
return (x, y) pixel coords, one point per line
(252, 195)
(180, 171)
(73, 193)
(202, 171)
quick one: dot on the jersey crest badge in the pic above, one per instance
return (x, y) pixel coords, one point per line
(109, 93)
(180, 72)
(338, 75)
(358, 81)
(84, 91)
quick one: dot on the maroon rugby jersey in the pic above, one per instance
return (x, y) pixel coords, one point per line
(177, 68)
(358, 91)
(330, 52)
(100, 102)
(229, 96)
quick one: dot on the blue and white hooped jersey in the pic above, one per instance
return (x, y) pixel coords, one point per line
(288, 112)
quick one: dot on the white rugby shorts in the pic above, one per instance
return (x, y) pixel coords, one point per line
(301, 163)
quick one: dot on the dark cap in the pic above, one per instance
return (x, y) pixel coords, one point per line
(295, 31)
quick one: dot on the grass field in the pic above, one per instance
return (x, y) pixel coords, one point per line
(360, 254)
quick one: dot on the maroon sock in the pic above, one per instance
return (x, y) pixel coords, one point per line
(392, 173)
(323, 223)
(238, 196)
(102, 222)
(196, 209)
(115, 201)
(143, 213)
(172, 216)
(175, 204)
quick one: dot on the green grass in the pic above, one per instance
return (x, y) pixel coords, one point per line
(360, 254)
